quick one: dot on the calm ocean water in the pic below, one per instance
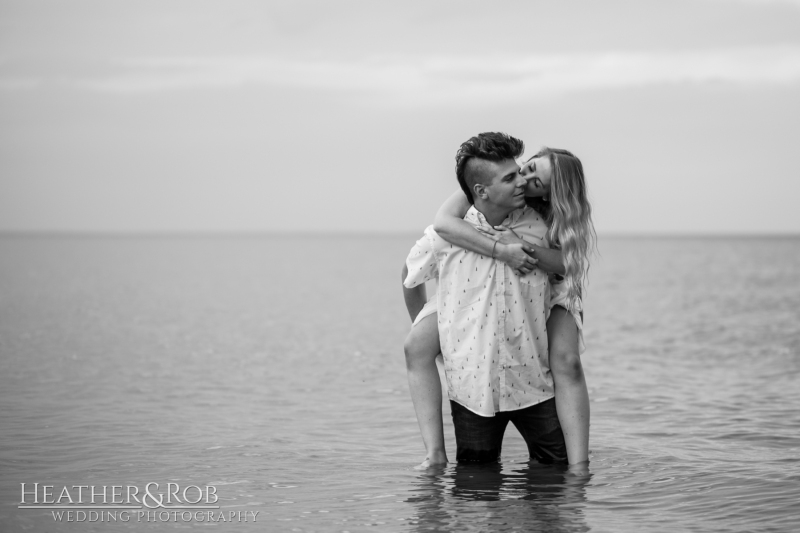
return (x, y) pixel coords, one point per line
(272, 369)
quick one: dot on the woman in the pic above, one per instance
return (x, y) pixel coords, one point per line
(556, 188)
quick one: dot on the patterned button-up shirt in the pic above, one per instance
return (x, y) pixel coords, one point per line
(492, 322)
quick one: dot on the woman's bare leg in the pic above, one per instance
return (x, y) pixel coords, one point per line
(572, 398)
(422, 347)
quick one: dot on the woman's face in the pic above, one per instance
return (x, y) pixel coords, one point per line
(537, 172)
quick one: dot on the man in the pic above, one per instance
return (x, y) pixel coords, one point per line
(492, 322)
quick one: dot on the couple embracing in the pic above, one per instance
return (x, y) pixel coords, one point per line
(510, 252)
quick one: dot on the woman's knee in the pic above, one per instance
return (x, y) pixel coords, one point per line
(566, 364)
(418, 350)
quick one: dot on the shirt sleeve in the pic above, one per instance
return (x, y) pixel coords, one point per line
(421, 261)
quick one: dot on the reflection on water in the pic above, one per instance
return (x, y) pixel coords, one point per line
(500, 497)
(233, 362)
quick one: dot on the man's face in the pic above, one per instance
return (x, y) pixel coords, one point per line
(507, 188)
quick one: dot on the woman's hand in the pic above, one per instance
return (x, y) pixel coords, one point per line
(512, 250)
(516, 256)
(501, 234)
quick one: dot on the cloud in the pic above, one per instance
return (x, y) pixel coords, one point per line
(456, 79)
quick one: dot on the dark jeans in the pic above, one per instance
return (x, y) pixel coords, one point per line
(479, 439)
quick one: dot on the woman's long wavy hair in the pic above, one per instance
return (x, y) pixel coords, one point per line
(569, 217)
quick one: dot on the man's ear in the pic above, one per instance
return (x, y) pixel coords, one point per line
(479, 191)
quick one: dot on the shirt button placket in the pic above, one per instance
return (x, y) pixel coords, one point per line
(500, 297)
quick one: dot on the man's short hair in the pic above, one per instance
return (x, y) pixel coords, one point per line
(490, 146)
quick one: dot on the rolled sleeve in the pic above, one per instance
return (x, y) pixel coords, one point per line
(421, 261)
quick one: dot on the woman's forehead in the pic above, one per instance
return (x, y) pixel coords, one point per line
(542, 164)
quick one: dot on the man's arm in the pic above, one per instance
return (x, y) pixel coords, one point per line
(414, 297)
(421, 266)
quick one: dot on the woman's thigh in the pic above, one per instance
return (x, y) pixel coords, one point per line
(562, 335)
(423, 339)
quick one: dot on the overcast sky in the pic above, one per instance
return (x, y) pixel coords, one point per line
(343, 116)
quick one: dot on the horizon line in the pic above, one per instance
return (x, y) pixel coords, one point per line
(351, 234)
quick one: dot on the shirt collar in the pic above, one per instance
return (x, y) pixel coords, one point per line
(477, 218)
